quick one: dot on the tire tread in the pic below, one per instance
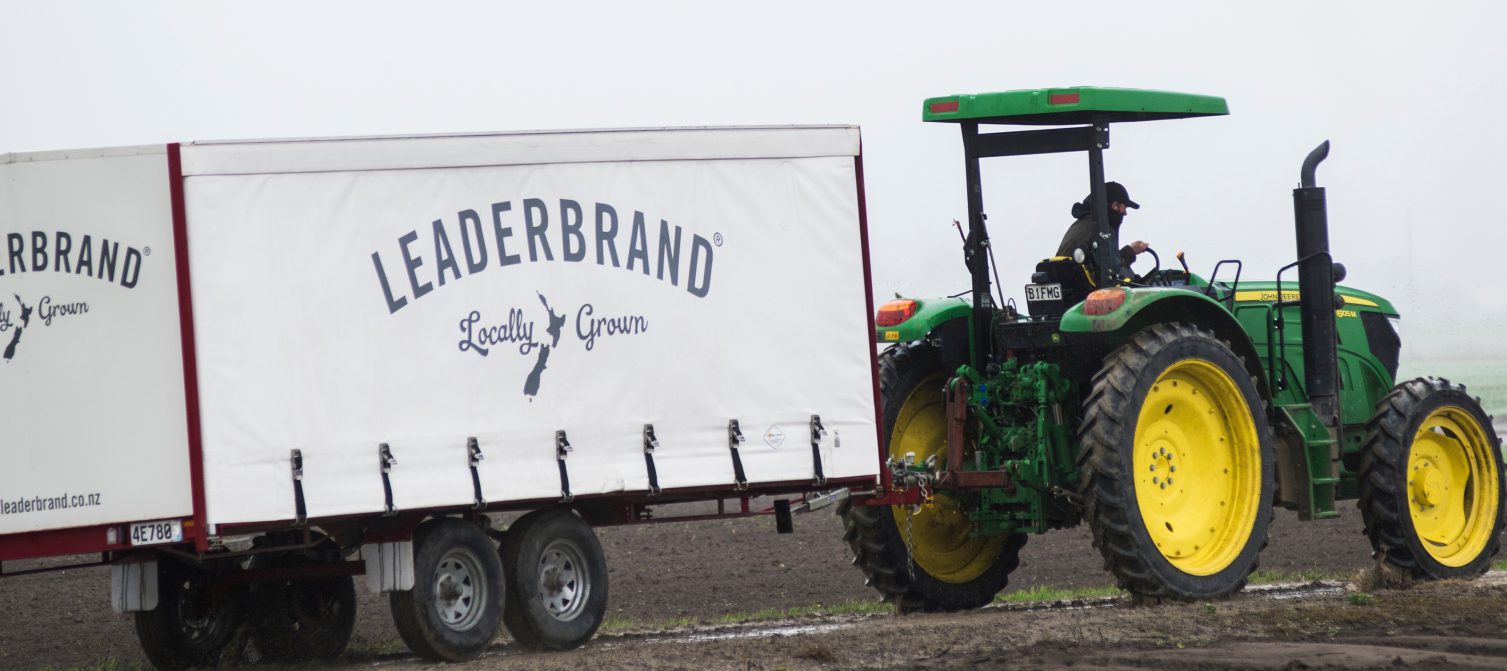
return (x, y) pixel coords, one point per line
(1383, 459)
(1107, 499)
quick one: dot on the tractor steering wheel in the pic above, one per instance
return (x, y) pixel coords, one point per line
(1154, 277)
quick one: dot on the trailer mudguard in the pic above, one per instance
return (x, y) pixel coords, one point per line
(1145, 306)
(930, 314)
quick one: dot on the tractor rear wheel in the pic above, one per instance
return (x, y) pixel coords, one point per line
(1177, 465)
(1431, 481)
(922, 558)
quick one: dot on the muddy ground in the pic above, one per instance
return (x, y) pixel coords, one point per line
(709, 569)
(1436, 626)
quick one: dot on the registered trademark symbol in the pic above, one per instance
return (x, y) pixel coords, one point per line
(717, 239)
(146, 251)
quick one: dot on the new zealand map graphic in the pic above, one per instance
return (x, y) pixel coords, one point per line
(15, 338)
(531, 385)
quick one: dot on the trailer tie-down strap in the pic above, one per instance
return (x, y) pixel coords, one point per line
(302, 510)
(817, 433)
(562, 448)
(384, 456)
(734, 440)
(473, 450)
(650, 444)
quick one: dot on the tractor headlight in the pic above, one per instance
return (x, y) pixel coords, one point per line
(894, 313)
(1104, 301)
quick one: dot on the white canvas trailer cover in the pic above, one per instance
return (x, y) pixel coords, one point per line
(379, 312)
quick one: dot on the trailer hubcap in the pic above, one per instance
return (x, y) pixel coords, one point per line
(564, 583)
(1197, 467)
(1452, 486)
(457, 598)
(938, 533)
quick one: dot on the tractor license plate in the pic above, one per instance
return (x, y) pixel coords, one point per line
(155, 533)
(1043, 292)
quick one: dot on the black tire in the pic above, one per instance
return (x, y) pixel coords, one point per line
(557, 581)
(193, 624)
(302, 620)
(915, 373)
(455, 607)
(1419, 421)
(1217, 564)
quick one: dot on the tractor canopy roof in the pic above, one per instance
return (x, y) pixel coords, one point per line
(1076, 105)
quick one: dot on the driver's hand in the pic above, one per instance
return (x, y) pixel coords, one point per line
(1139, 246)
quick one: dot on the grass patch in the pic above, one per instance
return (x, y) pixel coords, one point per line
(1499, 565)
(1360, 599)
(865, 607)
(1270, 577)
(1045, 594)
(620, 623)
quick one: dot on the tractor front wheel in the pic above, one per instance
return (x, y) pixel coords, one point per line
(923, 558)
(1431, 481)
(1177, 465)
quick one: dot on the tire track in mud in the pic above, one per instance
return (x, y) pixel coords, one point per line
(1442, 625)
(648, 640)
(821, 624)
(1322, 624)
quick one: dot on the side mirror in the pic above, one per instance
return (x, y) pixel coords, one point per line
(1339, 272)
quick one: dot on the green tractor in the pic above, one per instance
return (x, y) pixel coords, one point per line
(1169, 411)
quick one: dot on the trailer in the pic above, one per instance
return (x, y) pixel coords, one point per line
(243, 373)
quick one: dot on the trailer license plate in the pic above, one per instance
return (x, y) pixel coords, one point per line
(1043, 292)
(156, 533)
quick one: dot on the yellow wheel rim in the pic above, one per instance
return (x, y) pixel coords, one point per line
(939, 534)
(1197, 467)
(1452, 486)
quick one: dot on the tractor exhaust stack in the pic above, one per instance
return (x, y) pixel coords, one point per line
(1316, 280)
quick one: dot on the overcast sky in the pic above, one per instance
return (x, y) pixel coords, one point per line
(1408, 93)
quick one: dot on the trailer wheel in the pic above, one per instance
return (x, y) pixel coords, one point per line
(194, 624)
(1431, 481)
(1177, 465)
(557, 581)
(455, 607)
(924, 559)
(302, 620)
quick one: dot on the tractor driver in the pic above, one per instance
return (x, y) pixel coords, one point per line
(1080, 235)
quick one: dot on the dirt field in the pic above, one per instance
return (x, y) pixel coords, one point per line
(709, 569)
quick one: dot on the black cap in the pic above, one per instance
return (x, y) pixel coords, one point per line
(1115, 192)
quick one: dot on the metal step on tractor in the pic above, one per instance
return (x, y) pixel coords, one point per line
(1170, 411)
